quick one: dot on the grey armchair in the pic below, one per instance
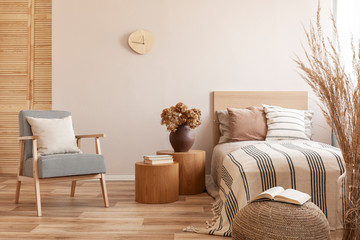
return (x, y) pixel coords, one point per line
(56, 167)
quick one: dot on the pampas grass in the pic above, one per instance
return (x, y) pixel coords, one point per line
(339, 93)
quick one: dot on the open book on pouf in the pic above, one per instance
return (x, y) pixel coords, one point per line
(279, 194)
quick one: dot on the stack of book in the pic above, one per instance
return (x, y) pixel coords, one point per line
(158, 159)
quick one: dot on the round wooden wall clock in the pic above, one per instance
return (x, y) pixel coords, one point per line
(141, 41)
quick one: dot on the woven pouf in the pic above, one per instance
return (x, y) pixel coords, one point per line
(276, 220)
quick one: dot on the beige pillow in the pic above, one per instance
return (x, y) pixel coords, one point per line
(56, 135)
(224, 126)
(247, 124)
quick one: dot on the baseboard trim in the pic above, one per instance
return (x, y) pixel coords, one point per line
(112, 177)
(116, 177)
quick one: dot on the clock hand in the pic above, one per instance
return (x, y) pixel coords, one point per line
(138, 42)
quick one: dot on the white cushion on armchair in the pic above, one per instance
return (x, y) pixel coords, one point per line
(55, 135)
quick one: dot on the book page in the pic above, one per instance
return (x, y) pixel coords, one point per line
(292, 196)
(270, 193)
(158, 159)
(157, 156)
(273, 191)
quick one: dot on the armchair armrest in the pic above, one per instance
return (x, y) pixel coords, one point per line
(90, 136)
(97, 141)
(34, 150)
(28, 138)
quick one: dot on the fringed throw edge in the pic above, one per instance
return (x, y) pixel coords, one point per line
(216, 210)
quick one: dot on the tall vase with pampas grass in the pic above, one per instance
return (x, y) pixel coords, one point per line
(339, 94)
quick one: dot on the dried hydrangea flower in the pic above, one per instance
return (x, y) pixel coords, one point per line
(179, 114)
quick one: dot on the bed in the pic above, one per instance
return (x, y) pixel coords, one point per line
(241, 170)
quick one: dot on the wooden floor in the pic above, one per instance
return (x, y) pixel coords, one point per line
(84, 216)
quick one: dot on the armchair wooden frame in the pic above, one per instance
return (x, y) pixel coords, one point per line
(36, 180)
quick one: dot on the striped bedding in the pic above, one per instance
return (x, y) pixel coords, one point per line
(307, 166)
(284, 123)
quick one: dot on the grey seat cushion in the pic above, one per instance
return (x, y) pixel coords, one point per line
(59, 165)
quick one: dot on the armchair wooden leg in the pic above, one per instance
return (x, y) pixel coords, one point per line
(37, 196)
(17, 194)
(104, 191)
(73, 186)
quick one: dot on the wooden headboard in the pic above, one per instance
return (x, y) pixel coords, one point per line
(243, 99)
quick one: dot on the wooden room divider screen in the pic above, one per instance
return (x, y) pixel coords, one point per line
(25, 69)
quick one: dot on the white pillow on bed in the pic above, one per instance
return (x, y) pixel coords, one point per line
(308, 115)
(284, 123)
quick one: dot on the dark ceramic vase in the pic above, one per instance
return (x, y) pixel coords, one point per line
(183, 139)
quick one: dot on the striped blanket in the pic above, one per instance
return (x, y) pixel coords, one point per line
(307, 166)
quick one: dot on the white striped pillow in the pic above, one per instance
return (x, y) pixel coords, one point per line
(284, 123)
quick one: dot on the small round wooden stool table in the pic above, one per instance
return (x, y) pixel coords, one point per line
(156, 183)
(191, 170)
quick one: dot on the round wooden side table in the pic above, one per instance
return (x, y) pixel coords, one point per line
(156, 183)
(191, 170)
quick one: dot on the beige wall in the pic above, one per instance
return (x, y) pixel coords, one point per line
(200, 46)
